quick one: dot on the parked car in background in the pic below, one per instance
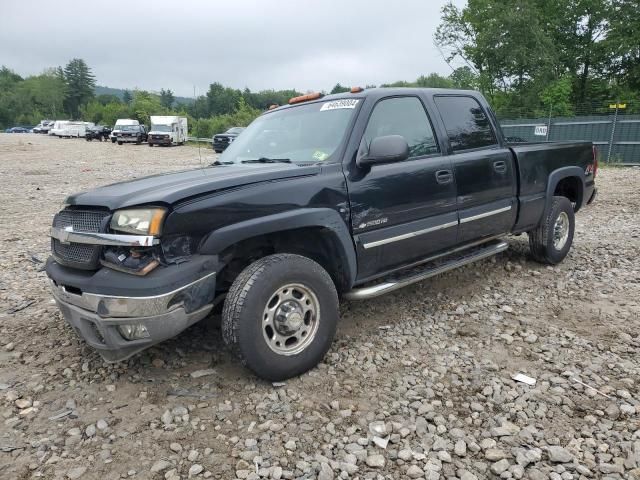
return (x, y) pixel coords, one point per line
(167, 130)
(132, 134)
(43, 127)
(69, 129)
(98, 132)
(18, 130)
(121, 122)
(222, 140)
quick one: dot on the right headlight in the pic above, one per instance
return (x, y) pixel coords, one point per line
(139, 221)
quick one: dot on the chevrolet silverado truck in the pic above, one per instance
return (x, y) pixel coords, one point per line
(349, 196)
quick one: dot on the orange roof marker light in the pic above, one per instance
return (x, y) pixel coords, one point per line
(357, 89)
(305, 98)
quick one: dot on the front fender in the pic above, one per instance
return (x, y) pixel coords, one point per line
(327, 218)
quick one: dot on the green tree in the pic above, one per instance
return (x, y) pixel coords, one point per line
(465, 78)
(433, 80)
(556, 97)
(144, 105)
(339, 89)
(623, 44)
(127, 97)
(166, 98)
(80, 85)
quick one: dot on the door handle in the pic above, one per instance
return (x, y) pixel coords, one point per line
(500, 166)
(444, 176)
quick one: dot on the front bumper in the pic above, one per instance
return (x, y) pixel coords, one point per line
(159, 141)
(153, 301)
(128, 139)
(220, 145)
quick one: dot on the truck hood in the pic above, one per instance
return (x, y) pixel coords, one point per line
(171, 188)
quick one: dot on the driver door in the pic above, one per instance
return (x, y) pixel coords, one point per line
(404, 211)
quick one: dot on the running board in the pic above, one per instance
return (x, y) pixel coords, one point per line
(363, 293)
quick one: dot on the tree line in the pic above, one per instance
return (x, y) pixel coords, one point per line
(69, 93)
(568, 56)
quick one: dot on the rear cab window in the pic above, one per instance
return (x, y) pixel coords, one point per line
(467, 125)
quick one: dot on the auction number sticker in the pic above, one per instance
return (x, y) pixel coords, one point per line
(336, 104)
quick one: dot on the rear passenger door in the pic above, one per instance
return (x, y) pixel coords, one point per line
(484, 171)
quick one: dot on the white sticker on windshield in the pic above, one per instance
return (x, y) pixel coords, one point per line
(336, 104)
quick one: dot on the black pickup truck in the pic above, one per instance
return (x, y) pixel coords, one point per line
(351, 195)
(132, 134)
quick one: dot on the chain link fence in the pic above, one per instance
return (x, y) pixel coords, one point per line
(614, 128)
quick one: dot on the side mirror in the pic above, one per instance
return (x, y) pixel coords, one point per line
(387, 149)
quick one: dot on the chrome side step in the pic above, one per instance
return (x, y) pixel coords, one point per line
(366, 292)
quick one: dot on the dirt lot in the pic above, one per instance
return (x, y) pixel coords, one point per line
(417, 385)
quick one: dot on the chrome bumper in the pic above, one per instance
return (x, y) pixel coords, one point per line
(125, 307)
(69, 236)
(99, 319)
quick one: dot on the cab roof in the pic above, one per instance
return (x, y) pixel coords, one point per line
(381, 92)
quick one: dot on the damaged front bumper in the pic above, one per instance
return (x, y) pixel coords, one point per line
(120, 314)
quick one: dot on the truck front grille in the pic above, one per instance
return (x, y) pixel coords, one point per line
(79, 255)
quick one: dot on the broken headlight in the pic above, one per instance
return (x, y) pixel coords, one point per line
(139, 221)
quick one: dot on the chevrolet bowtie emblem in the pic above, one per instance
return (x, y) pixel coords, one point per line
(64, 235)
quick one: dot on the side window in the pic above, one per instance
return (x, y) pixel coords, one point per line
(403, 116)
(466, 123)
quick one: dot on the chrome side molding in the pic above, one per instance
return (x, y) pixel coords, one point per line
(485, 214)
(405, 236)
(373, 291)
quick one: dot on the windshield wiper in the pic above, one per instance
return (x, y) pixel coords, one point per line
(267, 160)
(218, 162)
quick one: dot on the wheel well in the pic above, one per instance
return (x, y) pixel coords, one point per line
(317, 243)
(570, 187)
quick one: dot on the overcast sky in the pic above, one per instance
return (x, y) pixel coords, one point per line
(258, 44)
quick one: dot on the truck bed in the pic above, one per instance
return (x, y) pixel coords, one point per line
(537, 164)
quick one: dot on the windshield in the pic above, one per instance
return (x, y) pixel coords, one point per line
(161, 128)
(129, 128)
(308, 133)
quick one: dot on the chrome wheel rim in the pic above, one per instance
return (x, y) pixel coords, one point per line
(561, 231)
(290, 319)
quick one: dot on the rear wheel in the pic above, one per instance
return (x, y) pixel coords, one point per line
(119, 143)
(280, 316)
(551, 241)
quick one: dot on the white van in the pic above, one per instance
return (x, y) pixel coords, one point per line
(70, 129)
(121, 122)
(58, 127)
(167, 130)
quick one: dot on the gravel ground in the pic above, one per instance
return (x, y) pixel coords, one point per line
(417, 384)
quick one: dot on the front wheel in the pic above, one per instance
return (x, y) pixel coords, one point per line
(119, 143)
(551, 241)
(280, 316)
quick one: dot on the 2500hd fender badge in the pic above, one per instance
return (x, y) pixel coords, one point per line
(373, 223)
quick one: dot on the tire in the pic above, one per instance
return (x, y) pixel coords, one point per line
(151, 144)
(551, 241)
(113, 140)
(252, 295)
(119, 143)
(218, 151)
